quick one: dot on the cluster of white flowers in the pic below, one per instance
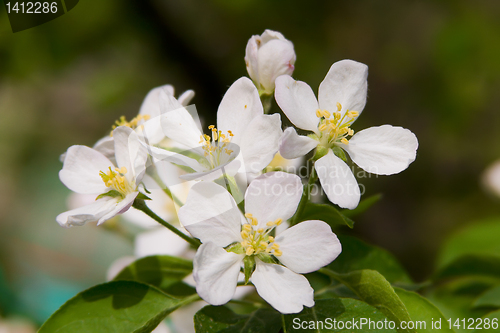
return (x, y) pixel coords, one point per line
(233, 203)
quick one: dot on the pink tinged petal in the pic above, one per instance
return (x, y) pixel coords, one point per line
(251, 58)
(272, 196)
(211, 215)
(130, 153)
(259, 142)
(159, 241)
(337, 181)
(293, 145)
(345, 83)
(177, 122)
(285, 290)
(308, 246)
(120, 208)
(383, 150)
(298, 102)
(151, 104)
(85, 214)
(276, 58)
(216, 273)
(239, 106)
(186, 97)
(80, 172)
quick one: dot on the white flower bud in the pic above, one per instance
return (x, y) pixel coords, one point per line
(267, 57)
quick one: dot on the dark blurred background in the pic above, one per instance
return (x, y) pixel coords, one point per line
(434, 69)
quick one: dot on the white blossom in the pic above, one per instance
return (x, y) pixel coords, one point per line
(268, 56)
(228, 237)
(382, 150)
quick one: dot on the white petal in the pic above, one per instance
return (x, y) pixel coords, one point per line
(216, 273)
(89, 213)
(186, 97)
(293, 145)
(239, 106)
(211, 215)
(159, 241)
(383, 150)
(120, 208)
(298, 102)
(337, 181)
(276, 58)
(491, 178)
(285, 290)
(260, 141)
(345, 83)
(106, 146)
(151, 104)
(251, 57)
(129, 153)
(308, 246)
(173, 157)
(80, 172)
(273, 195)
(177, 123)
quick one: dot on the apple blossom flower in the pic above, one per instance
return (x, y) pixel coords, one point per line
(146, 123)
(382, 150)
(268, 56)
(230, 238)
(88, 171)
(245, 139)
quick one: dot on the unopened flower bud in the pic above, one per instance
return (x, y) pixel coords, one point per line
(268, 56)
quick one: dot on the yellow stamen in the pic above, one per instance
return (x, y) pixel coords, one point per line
(344, 141)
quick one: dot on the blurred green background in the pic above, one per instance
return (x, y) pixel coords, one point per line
(434, 69)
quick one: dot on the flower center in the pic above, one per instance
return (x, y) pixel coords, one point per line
(334, 127)
(133, 124)
(256, 241)
(215, 147)
(117, 181)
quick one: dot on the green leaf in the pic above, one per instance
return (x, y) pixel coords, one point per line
(357, 255)
(423, 311)
(371, 287)
(327, 213)
(213, 319)
(476, 265)
(490, 298)
(363, 206)
(161, 271)
(142, 196)
(480, 238)
(326, 314)
(118, 306)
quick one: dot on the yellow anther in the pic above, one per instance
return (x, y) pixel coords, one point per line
(247, 227)
(254, 221)
(248, 215)
(350, 132)
(249, 251)
(352, 114)
(319, 114)
(323, 127)
(339, 107)
(344, 141)
(263, 244)
(211, 127)
(277, 253)
(123, 170)
(337, 115)
(244, 234)
(245, 243)
(260, 230)
(271, 239)
(275, 246)
(278, 221)
(270, 223)
(326, 114)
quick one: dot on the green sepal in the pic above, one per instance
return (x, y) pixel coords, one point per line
(235, 247)
(249, 267)
(142, 196)
(112, 194)
(268, 259)
(320, 152)
(339, 152)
